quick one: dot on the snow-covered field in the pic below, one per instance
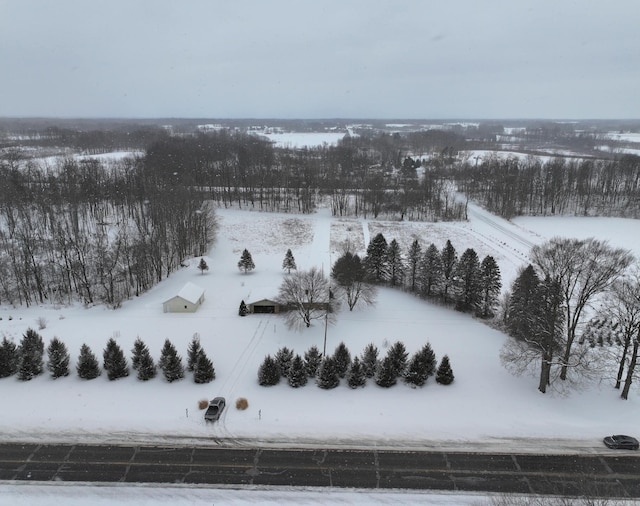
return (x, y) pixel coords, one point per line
(485, 408)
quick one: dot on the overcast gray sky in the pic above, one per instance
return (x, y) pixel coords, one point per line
(320, 58)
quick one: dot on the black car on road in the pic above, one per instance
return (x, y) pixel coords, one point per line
(215, 409)
(621, 442)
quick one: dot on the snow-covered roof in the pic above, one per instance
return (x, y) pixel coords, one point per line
(191, 292)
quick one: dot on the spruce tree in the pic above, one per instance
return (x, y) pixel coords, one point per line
(444, 375)
(243, 310)
(58, 358)
(289, 263)
(449, 259)
(395, 264)
(114, 361)
(284, 356)
(193, 351)
(88, 367)
(268, 372)
(245, 264)
(414, 257)
(146, 366)
(312, 360)
(31, 355)
(376, 262)
(327, 375)
(297, 373)
(525, 297)
(203, 371)
(370, 360)
(431, 272)
(136, 352)
(342, 359)
(356, 377)
(491, 285)
(386, 373)
(398, 355)
(170, 362)
(421, 366)
(467, 284)
(429, 359)
(9, 358)
(203, 266)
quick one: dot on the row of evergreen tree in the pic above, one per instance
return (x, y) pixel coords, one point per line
(27, 360)
(329, 370)
(466, 282)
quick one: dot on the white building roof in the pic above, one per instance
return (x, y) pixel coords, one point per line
(191, 292)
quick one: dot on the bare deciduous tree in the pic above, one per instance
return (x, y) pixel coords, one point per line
(306, 295)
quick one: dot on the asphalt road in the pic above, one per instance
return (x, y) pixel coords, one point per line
(615, 475)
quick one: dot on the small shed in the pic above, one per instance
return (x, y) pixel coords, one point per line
(187, 300)
(263, 306)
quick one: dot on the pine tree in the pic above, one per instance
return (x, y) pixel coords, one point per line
(297, 373)
(327, 375)
(398, 356)
(342, 359)
(467, 282)
(376, 261)
(395, 264)
(289, 263)
(88, 367)
(137, 351)
(312, 360)
(370, 360)
(444, 375)
(269, 372)
(245, 264)
(31, 355)
(491, 285)
(431, 272)
(356, 377)
(9, 358)
(58, 358)
(203, 266)
(386, 373)
(421, 366)
(243, 310)
(114, 361)
(284, 356)
(170, 362)
(449, 259)
(203, 371)
(429, 359)
(414, 257)
(193, 352)
(146, 366)
(524, 297)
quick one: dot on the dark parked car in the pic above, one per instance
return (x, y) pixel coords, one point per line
(621, 442)
(215, 409)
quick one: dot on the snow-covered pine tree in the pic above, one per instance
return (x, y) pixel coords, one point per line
(193, 351)
(268, 372)
(327, 375)
(421, 366)
(444, 375)
(370, 360)
(386, 373)
(449, 259)
(31, 355)
(342, 359)
(356, 377)
(58, 358)
(114, 361)
(491, 284)
(136, 352)
(289, 263)
(376, 262)
(203, 371)
(146, 366)
(170, 362)
(431, 272)
(398, 355)
(430, 361)
(243, 310)
(9, 358)
(312, 360)
(414, 257)
(88, 367)
(297, 373)
(395, 264)
(202, 266)
(245, 264)
(467, 285)
(284, 356)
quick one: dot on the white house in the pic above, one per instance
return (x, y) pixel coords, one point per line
(187, 300)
